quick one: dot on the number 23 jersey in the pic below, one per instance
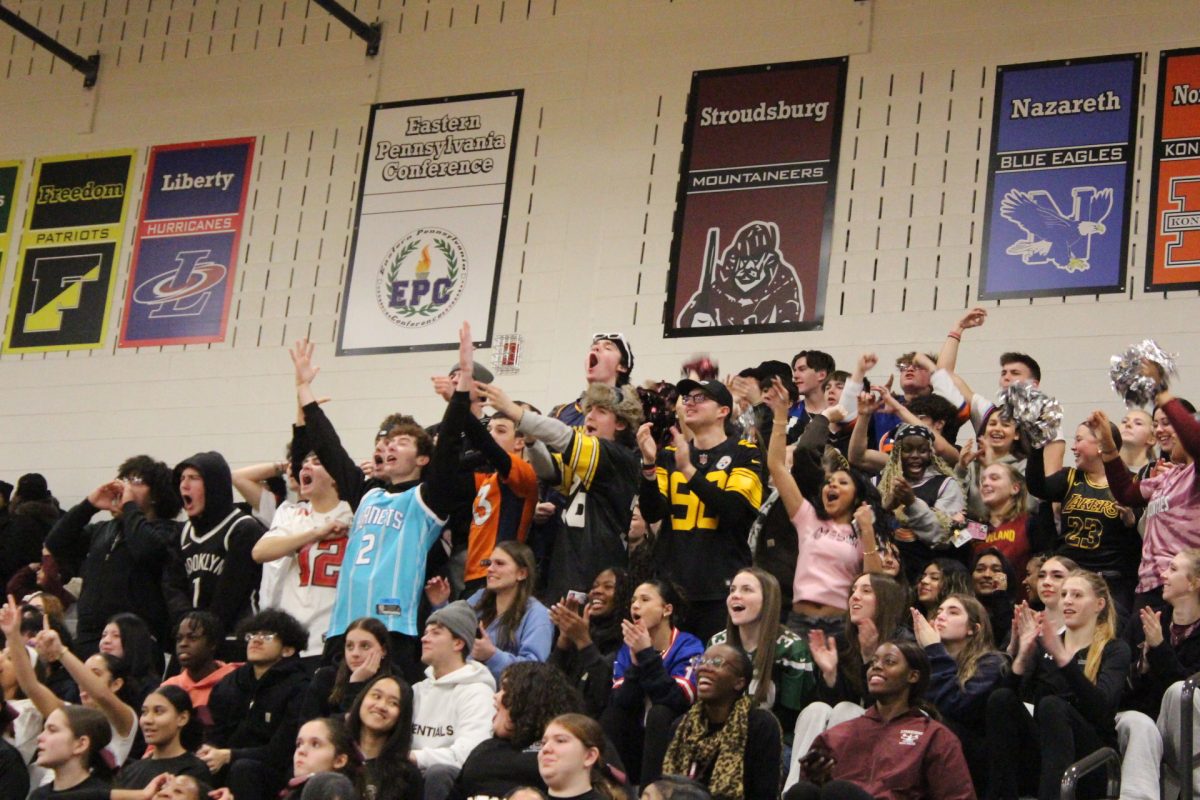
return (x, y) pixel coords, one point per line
(304, 583)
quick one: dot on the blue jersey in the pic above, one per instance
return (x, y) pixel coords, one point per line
(383, 572)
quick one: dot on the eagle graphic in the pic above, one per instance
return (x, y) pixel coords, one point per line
(1064, 240)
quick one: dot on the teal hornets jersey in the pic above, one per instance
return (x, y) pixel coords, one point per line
(383, 572)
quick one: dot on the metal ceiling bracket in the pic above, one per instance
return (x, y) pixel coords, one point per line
(89, 66)
(372, 33)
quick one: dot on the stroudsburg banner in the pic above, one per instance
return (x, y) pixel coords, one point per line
(754, 207)
(1060, 178)
(185, 254)
(1174, 254)
(429, 233)
(69, 248)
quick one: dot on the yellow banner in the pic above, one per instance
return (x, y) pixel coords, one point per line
(70, 249)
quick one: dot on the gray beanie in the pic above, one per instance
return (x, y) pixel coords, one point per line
(458, 618)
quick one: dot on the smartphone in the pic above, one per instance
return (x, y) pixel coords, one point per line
(579, 597)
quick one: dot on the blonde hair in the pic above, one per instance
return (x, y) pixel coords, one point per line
(1106, 621)
(1019, 502)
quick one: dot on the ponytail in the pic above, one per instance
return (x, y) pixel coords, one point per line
(91, 723)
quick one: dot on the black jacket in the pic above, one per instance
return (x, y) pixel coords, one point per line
(123, 563)
(316, 696)
(259, 718)
(1167, 665)
(22, 534)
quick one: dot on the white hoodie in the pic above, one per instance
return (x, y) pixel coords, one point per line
(452, 714)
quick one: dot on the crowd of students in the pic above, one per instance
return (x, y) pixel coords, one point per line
(787, 583)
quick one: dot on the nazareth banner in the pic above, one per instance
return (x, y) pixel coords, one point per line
(69, 249)
(10, 175)
(754, 207)
(1060, 178)
(429, 235)
(185, 253)
(1174, 254)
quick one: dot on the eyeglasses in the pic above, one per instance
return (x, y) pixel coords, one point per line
(261, 636)
(905, 366)
(135, 480)
(694, 399)
(716, 662)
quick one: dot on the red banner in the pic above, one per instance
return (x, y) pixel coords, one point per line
(1174, 258)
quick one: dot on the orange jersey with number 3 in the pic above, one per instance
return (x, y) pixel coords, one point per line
(501, 511)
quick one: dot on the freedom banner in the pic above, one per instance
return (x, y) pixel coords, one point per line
(10, 175)
(429, 232)
(69, 248)
(1060, 178)
(754, 207)
(185, 253)
(1174, 255)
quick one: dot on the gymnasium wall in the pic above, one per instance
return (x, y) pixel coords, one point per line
(593, 195)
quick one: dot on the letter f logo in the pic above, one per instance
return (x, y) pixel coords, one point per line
(62, 277)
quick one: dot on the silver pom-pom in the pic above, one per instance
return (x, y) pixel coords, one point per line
(1036, 414)
(1128, 381)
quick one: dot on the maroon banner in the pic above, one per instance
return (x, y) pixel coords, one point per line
(754, 208)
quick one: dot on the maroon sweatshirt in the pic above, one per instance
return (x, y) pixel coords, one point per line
(910, 757)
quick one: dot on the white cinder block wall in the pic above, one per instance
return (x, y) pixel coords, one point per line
(606, 86)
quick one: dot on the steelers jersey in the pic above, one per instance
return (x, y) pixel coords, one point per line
(599, 480)
(703, 547)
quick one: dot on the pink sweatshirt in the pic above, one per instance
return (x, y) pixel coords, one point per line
(1172, 501)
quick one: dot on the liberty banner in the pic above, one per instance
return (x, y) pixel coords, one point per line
(73, 232)
(10, 176)
(1060, 178)
(432, 213)
(754, 206)
(1174, 254)
(185, 254)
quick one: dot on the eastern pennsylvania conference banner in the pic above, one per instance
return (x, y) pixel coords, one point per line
(185, 254)
(10, 177)
(1060, 178)
(754, 207)
(432, 210)
(69, 249)
(1174, 254)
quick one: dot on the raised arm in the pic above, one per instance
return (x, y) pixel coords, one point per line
(789, 491)
(948, 357)
(50, 647)
(44, 700)
(321, 435)
(248, 480)
(858, 454)
(1124, 488)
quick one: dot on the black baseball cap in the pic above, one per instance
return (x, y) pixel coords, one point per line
(713, 388)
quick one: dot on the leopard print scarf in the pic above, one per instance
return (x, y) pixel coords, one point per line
(697, 753)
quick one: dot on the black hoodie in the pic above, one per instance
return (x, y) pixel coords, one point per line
(216, 545)
(258, 718)
(22, 534)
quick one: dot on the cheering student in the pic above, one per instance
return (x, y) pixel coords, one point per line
(995, 583)
(965, 668)
(836, 532)
(589, 638)
(1099, 535)
(216, 543)
(653, 682)
(1074, 682)
(706, 492)
(395, 526)
(894, 750)
(1172, 499)
(782, 681)
(725, 741)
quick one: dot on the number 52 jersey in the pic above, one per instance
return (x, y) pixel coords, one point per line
(304, 583)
